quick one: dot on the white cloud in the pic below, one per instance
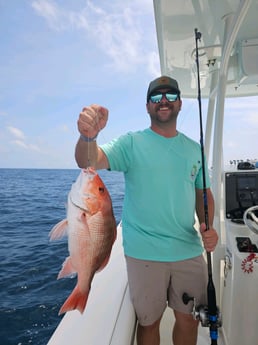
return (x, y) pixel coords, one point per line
(20, 139)
(16, 132)
(51, 12)
(120, 31)
(153, 64)
(22, 144)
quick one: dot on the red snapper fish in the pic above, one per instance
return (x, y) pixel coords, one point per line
(91, 229)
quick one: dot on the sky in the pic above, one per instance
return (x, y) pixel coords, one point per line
(58, 56)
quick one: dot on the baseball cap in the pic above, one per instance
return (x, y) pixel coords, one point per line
(162, 82)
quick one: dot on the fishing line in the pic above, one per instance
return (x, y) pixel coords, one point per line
(211, 293)
(89, 146)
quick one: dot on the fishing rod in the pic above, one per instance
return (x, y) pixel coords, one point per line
(208, 315)
(211, 293)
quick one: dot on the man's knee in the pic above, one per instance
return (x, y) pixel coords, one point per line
(148, 335)
(185, 321)
(154, 326)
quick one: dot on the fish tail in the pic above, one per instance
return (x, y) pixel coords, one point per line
(76, 300)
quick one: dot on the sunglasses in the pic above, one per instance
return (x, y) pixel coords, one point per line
(156, 98)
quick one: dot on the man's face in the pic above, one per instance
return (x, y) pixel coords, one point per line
(167, 107)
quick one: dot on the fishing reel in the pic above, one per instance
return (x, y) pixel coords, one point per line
(201, 313)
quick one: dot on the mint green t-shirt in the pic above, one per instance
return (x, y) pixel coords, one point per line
(161, 175)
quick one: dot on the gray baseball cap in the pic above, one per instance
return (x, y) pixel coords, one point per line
(163, 82)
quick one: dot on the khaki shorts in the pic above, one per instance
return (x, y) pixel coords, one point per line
(154, 285)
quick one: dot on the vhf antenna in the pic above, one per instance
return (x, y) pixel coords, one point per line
(209, 316)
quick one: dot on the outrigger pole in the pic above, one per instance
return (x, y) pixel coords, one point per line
(211, 293)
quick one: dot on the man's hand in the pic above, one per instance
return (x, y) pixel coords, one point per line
(91, 120)
(209, 238)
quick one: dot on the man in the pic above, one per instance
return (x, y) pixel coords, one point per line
(163, 178)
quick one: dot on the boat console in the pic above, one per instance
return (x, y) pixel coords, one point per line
(239, 296)
(241, 193)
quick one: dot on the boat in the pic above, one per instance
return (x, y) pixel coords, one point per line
(228, 55)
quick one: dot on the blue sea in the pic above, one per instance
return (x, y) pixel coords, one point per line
(32, 201)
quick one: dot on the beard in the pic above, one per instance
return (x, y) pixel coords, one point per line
(164, 113)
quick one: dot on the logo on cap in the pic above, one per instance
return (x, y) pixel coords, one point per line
(163, 80)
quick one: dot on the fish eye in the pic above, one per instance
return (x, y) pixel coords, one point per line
(101, 189)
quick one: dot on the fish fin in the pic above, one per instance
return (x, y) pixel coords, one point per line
(77, 300)
(67, 269)
(59, 230)
(83, 219)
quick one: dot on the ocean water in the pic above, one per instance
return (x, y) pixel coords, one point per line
(32, 201)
